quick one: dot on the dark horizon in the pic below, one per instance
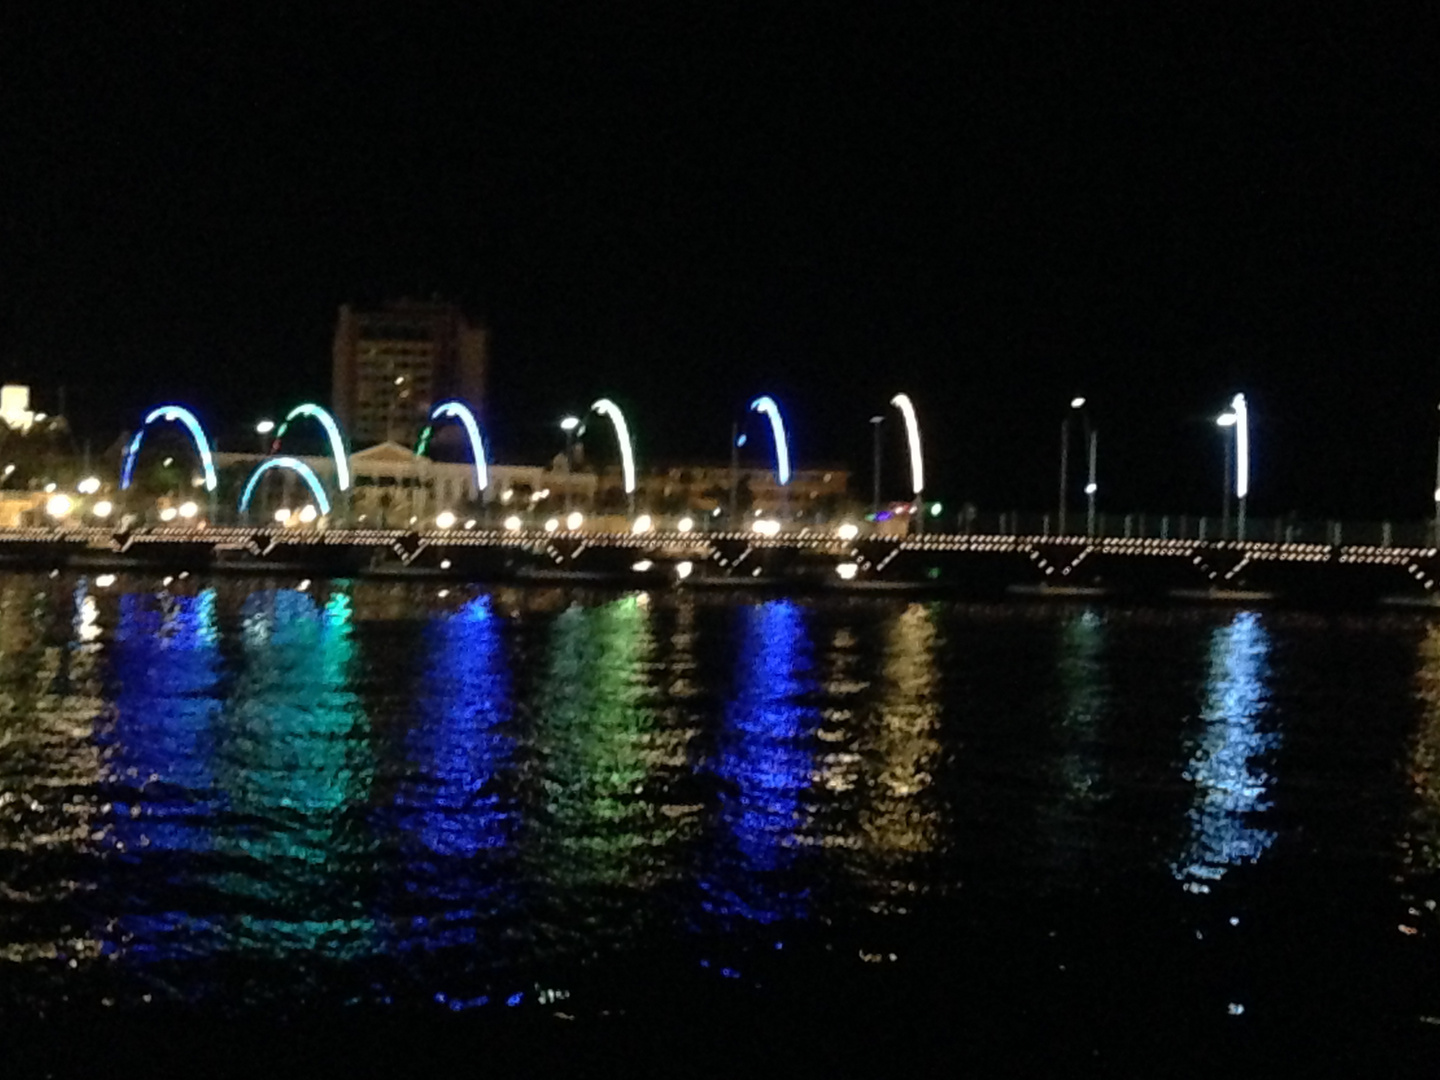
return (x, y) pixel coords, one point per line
(685, 209)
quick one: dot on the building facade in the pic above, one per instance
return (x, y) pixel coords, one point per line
(392, 365)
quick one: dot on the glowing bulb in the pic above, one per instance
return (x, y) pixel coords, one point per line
(1226, 419)
(308, 513)
(570, 423)
(168, 514)
(643, 524)
(1090, 489)
(766, 527)
(641, 566)
(513, 523)
(188, 510)
(848, 531)
(264, 427)
(282, 515)
(58, 505)
(102, 508)
(574, 520)
(685, 524)
(104, 581)
(50, 487)
(89, 486)
(847, 570)
(1077, 403)
(683, 569)
(445, 520)
(552, 525)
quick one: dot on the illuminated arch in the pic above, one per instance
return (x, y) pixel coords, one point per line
(332, 430)
(912, 434)
(458, 410)
(606, 407)
(295, 465)
(766, 404)
(185, 418)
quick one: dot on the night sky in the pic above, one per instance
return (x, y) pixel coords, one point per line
(683, 205)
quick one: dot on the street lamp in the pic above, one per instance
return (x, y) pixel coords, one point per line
(1437, 496)
(263, 429)
(571, 426)
(1077, 404)
(1239, 418)
(876, 422)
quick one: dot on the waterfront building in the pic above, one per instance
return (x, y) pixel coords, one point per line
(391, 365)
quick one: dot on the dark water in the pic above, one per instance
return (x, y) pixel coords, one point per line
(1018, 834)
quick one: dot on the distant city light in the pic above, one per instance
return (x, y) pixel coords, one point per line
(104, 581)
(1077, 403)
(102, 508)
(683, 569)
(282, 515)
(58, 505)
(574, 520)
(445, 519)
(1090, 489)
(847, 570)
(848, 531)
(168, 514)
(766, 526)
(264, 427)
(89, 486)
(308, 513)
(570, 423)
(552, 524)
(641, 566)
(513, 523)
(685, 524)
(188, 510)
(642, 524)
(50, 487)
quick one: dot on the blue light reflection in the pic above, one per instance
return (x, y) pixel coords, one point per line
(1230, 783)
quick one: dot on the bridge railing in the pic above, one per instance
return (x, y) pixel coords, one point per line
(1209, 527)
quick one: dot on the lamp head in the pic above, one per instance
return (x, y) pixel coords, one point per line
(570, 423)
(1077, 403)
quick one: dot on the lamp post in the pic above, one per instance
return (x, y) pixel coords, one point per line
(1237, 417)
(876, 422)
(264, 428)
(570, 425)
(1437, 497)
(1077, 404)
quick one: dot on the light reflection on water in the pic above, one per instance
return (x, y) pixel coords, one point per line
(1226, 766)
(373, 793)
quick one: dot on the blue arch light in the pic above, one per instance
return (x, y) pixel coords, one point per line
(457, 410)
(295, 465)
(332, 431)
(184, 417)
(766, 404)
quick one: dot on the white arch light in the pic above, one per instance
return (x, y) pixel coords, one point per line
(186, 418)
(912, 433)
(606, 407)
(457, 410)
(766, 404)
(295, 465)
(332, 430)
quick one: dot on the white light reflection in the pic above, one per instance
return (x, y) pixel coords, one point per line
(1225, 765)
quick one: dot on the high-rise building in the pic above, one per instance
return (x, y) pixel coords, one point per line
(392, 365)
